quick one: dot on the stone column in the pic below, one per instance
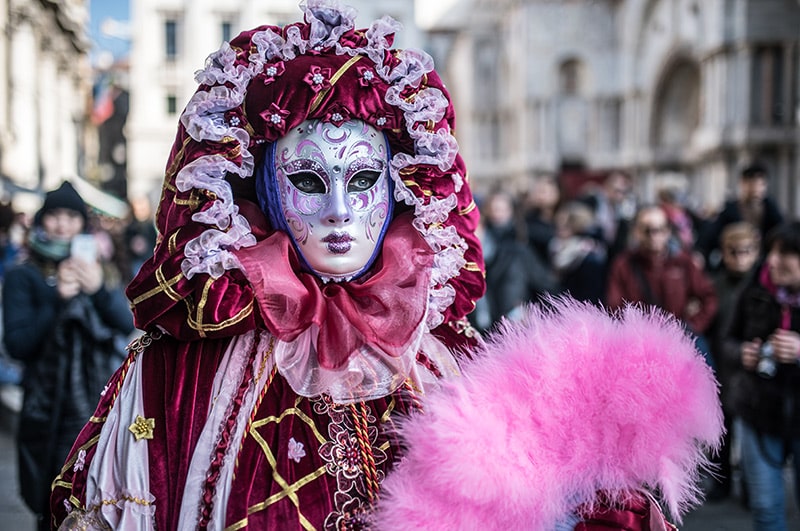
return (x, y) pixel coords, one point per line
(21, 160)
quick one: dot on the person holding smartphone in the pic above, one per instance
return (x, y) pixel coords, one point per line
(61, 321)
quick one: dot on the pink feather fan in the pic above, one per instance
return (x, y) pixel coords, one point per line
(570, 402)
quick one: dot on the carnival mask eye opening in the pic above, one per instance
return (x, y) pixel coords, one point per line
(363, 181)
(307, 182)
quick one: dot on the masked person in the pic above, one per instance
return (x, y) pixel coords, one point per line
(62, 320)
(315, 264)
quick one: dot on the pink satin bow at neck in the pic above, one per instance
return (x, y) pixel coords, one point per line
(383, 308)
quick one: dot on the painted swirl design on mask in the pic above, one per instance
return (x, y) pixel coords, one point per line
(335, 192)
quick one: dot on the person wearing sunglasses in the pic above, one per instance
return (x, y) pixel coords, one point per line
(654, 273)
(740, 244)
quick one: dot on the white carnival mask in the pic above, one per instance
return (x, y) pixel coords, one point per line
(335, 194)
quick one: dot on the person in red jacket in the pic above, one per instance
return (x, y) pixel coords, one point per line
(654, 273)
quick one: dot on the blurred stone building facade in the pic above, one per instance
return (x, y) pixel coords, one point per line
(654, 87)
(171, 40)
(44, 90)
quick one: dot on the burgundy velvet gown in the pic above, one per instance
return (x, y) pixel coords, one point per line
(301, 463)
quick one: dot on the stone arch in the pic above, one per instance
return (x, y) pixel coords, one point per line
(675, 109)
(635, 37)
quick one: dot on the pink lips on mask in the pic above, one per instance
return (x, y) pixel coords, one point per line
(338, 242)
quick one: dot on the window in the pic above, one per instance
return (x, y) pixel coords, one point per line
(767, 104)
(227, 30)
(172, 104)
(610, 124)
(171, 39)
(487, 59)
(570, 74)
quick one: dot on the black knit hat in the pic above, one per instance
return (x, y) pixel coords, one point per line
(64, 196)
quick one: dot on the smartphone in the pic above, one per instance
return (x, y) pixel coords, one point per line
(84, 247)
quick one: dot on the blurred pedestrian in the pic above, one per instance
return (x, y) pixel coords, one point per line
(679, 217)
(763, 345)
(514, 274)
(652, 273)
(614, 205)
(10, 371)
(65, 326)
(140, 235)
(751, 204)
(740, 252)
(9, 246)
(539, 212)
(577, 257)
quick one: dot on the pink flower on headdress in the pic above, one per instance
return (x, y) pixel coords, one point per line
(272, 71)
(233, 119)
(275, 117)
(337, 114)
(382, 120)
(318, 78)
(366, 76)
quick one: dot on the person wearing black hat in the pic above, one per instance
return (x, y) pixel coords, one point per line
(61, 321)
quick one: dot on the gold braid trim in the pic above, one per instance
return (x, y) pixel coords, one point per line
(164, 285)
(365, 445)
(467, 209)
(172, 243)
(334, 78)
(473, 267)
(215, 327)
(176, 162)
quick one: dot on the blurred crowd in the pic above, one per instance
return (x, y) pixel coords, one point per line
(731, 277)
(597, 244)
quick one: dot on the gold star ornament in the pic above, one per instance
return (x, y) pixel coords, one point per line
(142, 428)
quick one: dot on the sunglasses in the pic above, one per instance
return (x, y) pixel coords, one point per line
(740, 251)
(651, 230)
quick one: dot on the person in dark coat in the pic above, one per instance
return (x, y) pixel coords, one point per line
(514, 273)
(578, 258)
(140, 235)
(740, 252)
(762, 349)
(751, 204)
(65, 326)
(614, 206)
(540, 207)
